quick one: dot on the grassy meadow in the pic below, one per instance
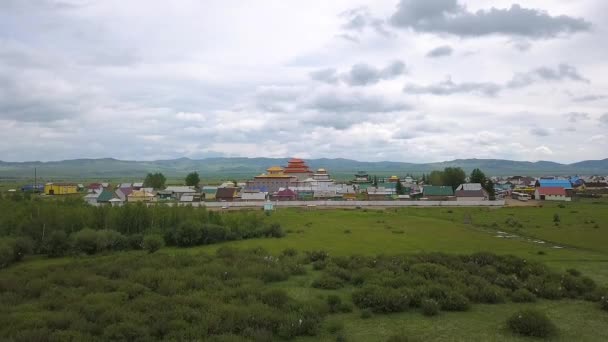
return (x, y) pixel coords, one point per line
(578, 239)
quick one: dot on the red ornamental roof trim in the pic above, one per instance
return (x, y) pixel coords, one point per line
(552, 191)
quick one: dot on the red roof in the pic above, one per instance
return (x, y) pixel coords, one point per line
(94, 186)
(551, 191)
(296, 165)
(286, 193)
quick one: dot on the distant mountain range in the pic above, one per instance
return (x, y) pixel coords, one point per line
(242, 168)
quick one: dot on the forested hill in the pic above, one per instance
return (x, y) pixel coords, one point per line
(226, 168)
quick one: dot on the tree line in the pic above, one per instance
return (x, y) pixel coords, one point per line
(67, 226)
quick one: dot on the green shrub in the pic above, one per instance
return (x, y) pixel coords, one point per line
(333, 302)
(136, 241)
(289, 252)
(380, 299)
(85, 241)
(317, 255)
(523, 296)
(454, 302)
(531, 323)
(319, 265)
(57, 244)
(274, 230)
(275, 297)
(366, 313)
(188, 233)
(430, 307)
(111, 240)
(153, 242)
(345, 308)
(328, 282)
(490, 294)
(22, 246)
(604, 303)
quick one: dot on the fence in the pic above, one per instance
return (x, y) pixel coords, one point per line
(353, 204)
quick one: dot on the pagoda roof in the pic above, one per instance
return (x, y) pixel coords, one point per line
(274, 169)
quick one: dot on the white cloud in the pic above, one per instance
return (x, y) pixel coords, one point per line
(158, 81)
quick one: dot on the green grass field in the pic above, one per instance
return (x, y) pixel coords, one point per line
(412, 230)
(582, 235)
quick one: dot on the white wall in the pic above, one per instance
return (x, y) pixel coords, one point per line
(470, 199)
(351, 204)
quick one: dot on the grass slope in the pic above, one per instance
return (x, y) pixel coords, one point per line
(455, 230)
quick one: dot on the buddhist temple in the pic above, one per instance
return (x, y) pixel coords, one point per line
(298, 168)
(362, 177)
(393, 179)
(271, 181)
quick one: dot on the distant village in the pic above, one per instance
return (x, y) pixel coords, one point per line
(297, 182)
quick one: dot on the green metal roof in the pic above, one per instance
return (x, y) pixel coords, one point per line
(430, 190)
(105, 196)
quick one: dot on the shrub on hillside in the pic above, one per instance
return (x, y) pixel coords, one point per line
(333, 302)
(531, 323)
(22, 246)
(111, 240)
(274, 230)
(328, 282)
(188, 233)
(604, 303)
(153, 242)
(430, 307)
(313, 256)
(135, 241)
(58, 244)
(454, 301)
(380, 299)
(523, 296)
(85, 241)
(289, 252)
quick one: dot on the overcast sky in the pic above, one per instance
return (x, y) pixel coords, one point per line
(400, 80)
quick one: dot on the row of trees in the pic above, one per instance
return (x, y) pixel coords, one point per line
(158, 180)
(454, 176)
(59, 227)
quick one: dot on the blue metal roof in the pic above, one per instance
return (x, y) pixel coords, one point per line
(562, 183)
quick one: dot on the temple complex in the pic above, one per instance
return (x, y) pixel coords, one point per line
(298, 168)
(274, 179)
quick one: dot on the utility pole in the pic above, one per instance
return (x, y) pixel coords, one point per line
(35, 182)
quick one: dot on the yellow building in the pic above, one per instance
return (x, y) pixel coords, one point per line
(141, 196)
(60, 188)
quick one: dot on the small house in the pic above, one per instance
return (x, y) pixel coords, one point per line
(209, 192)
(60, 188)
(123, 193)
(141, 196)
(438, 193)
(178, 191)
(285, 195)
(226, 194)
(552, 194)
(254, 196)
(91, 198)
(471, 195)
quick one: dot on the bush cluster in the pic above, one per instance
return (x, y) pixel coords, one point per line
(436, 281)
(157, 297)
(531, 323)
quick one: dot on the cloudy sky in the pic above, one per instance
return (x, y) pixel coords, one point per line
(401, 80)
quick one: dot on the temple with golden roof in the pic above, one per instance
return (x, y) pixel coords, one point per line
(271, 181)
